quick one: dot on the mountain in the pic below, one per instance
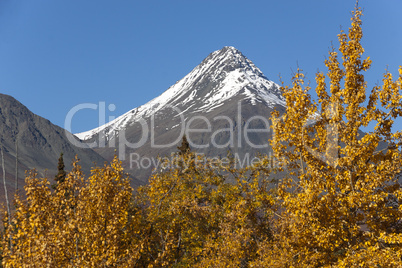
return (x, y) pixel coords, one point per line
(39, 144)
(225, 74)
(222, 105)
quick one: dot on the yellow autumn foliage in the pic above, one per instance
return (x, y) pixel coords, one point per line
(189, 215)
(342, 199)
(83, 223)
(192, 214)
(339, 204)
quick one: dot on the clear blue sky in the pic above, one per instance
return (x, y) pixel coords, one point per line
(57, 54)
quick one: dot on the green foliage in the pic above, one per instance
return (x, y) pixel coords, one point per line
(184, 147)
(339, 205)
(61, 173)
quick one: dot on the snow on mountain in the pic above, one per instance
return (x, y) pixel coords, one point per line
(222, 75)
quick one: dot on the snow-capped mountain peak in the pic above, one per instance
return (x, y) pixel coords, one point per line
(224, 74)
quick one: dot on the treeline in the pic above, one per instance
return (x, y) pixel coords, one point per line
(187, 216)
(338, 204)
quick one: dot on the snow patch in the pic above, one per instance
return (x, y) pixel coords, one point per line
(233, 74)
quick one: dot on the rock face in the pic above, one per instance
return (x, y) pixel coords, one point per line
(39, 144)
(218, 105)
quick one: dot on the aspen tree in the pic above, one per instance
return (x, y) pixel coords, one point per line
(103, 214)
(342, 201)
(196, 218)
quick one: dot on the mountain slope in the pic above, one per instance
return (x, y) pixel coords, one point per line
(223, 75)
(39, 143)
(214, 105)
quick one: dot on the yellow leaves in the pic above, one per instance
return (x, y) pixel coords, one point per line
(199, 219)
(77, 225)
(366, 64)
(341, 182)
(339, 205)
